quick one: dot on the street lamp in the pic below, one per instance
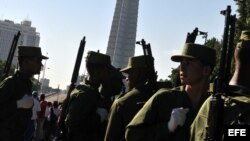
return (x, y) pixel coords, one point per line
(43, 80)
(58, 92)
(44, 68)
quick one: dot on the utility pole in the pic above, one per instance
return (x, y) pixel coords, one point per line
(42, 82)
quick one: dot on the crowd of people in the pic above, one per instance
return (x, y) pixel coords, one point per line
(100, 110)
(43, 123)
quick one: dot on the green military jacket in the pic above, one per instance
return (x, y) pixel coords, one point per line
(151, 122)
(123, 110)
(81, 118)
(236, 102)
(14, 121)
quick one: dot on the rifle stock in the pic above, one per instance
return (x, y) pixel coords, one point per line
(10, 56)
(214, 127)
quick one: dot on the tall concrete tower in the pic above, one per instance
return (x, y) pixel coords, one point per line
(122, 36)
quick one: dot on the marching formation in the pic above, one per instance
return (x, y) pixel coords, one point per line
(128, 104)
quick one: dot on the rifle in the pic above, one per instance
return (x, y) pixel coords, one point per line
(214, 127)
(10, 56)
(75, 74)
(191, 37)
(152, 75)
(77, 66)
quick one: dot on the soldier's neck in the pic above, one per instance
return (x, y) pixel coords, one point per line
(196, 92)
(25, 73)
(240, 78)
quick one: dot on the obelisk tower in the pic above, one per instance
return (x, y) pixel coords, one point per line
(122, 38)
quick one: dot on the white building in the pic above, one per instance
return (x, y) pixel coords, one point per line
(8, 29)
(122, 36)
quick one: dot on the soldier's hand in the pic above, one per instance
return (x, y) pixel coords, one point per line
(103, 113)
(178, 117)
(25, 102)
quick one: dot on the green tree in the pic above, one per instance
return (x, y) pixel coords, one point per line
(217, 45)
(164, 83)
(2, 65)
(243, 17)
(175, 77)
(161, 80)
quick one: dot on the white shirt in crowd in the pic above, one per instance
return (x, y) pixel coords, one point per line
(55, 110)
(36, 108)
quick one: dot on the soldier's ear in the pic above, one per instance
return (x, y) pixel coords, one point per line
(207, 70)
(105, 73)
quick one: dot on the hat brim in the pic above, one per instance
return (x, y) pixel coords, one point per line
(179, 58)
(44, 57)
(125, 70)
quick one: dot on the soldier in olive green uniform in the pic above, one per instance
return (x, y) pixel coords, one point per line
(125, 107)
(109, 90)
(237, 100)
(83, 116)
(168, 114)
(15, 95)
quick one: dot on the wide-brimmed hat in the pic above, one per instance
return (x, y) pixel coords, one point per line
(30, 51)
(98, 59)
(196, 51)
(136, 62)
(245, 35)
(244, 41)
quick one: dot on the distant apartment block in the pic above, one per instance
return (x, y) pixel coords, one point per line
(44, 84)
(8, 29)
(122, 38)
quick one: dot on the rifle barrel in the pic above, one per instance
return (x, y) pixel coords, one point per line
(77, 65)
(10, 55)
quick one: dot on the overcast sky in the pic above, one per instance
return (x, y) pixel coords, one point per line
(163, 23)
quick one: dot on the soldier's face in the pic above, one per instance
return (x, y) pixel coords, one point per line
(34, 65)
(132, 78)
(191, 71)
(94, 77)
